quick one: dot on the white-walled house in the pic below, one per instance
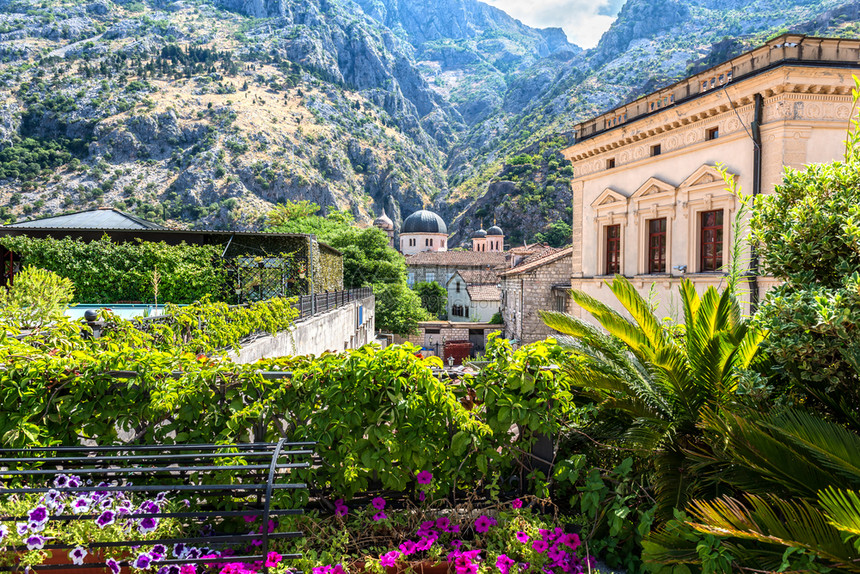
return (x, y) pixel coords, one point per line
(473, 296)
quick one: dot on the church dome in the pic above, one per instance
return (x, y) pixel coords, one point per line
(424, 221)
(479, 234)
(495, 230)
(384, 222)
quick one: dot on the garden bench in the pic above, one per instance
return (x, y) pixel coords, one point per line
(227, 483)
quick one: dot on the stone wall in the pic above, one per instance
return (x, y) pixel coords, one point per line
(525, 294)
(347, 327)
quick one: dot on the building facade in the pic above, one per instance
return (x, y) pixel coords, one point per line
(440, 267)
(539, 283)
(651, 197)
(384, 223)
(473, 296)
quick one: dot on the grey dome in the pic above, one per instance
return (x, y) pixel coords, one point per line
(424, 221)
(384, 222)
(479, 234)
(495, 230)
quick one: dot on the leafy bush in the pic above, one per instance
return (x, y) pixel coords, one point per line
(36, 298)
(434, 298)
(107, 272)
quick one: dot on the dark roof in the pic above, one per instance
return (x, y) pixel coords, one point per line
(550, 255)
(423, 221)
(104, 218)
(457, 258)
(495, 230)
(479, 233)
(484, 292)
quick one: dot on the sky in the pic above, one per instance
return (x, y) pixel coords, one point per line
(584, 21)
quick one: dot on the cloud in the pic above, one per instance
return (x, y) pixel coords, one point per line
(584, 21)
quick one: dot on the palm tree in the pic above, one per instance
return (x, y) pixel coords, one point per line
(656, 380)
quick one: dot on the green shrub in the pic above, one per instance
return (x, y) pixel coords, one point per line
(36, 298)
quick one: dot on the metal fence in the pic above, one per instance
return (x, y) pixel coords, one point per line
(242, 487)
(310, 305)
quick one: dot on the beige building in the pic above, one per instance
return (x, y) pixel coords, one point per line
(423, 231)
(473, 295)
(648, 200)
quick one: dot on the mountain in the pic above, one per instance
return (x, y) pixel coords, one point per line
(206, 112)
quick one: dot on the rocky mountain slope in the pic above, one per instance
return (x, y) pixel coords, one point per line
(206, 112)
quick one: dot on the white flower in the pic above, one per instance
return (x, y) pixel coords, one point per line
(77, 555)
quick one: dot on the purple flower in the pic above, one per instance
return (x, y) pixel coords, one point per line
(378, 503)
(35, 542)
(193, 553)
(179, 550)
(379, 516)
(21, 528)
(61, 481)
(504, 564)
(38, 515)
(424, 477)
(421, 496)
(407, 548)
(456, 544)
(517, 503)
(147, 524)
(539, 546)
(160, 497)
(106, 518)
(142, 561)
(570, 540)
(483, 523)
(113, 565)
(160, 549)
(249, 518)
(4, 531)
(73, 482)
(522, 537)
(426, 542)
(389, 559)
(77, 555)
(81, 504)
(442, 523)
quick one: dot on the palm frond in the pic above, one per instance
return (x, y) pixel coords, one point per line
(614, 323)
(842, 508)
(639, 309)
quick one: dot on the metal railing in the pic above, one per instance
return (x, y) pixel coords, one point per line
(310, 305)
(189, 469)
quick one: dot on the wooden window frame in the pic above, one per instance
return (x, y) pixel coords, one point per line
(612, 245)
(662, 236)
(714, 263)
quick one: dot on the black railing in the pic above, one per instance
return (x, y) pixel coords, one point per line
(310, 305)
(245, 484)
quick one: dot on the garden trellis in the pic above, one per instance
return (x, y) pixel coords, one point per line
(220, 484)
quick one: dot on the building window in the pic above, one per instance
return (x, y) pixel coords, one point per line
(655, 150)
(712, 134)
(443, 243)
(431, 242)
(430, 276)
(458, 286)
(711, 240)
(561, 303)
(657, 245)
(613, 249)
(411, 278)
(458, 311)
(610, 163)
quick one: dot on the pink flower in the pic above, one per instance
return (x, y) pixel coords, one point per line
(424, 477)
(539, 546)
(503, 563)
(456, 544)
(570, 540)
(379, 516)
(517, 503)
(378, 503)
(483, 523)
(341, 509)
(188, 569)
(421, 496)
(272, 559)
(522, 537)
(426, 543)
(407, 548)
(389, 559)
(250, 518)
(442, 523)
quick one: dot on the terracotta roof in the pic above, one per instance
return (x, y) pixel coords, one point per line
(479, 276)
(484, 292)
(540, 254)
(534, 262)
(526, 249)
(457, 258)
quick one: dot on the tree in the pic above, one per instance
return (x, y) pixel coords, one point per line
(368, 260)
(36, 298)
(434, 298)
(657, 383)
(559, 234)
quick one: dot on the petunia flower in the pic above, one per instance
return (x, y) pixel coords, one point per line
(407, 548)
(4, 531)
(421, 496)
(273, 559)
(570, 540)
(142, 561)
(504, 564)
(341, 510)
(147, 524)
(517, 503)
(77, 555)
(81, 504)
(539, 546)
(424, 477)
(482, 524)
(378, 503)
(21, 528)
(379, 516)
(249, 518)
(113, 565)
(106, 518)
(442, 523)
(179, 550)
(456, 544)
(389, 559)
(35, 542)
(61, 481)
(38, 515)
(522, 537)
(188, 569)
